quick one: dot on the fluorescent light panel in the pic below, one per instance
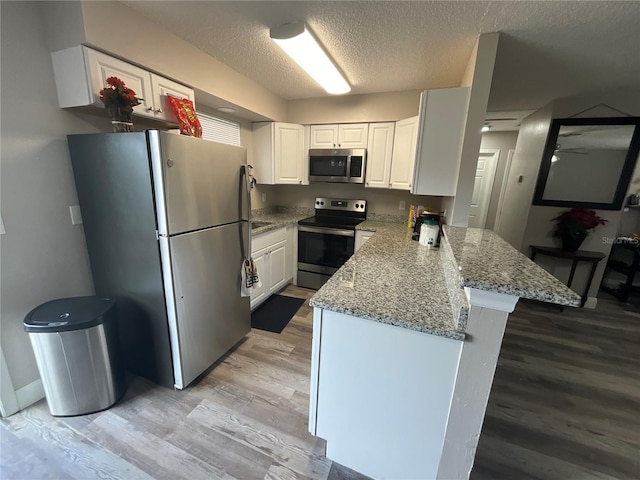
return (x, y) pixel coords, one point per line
(298, 42)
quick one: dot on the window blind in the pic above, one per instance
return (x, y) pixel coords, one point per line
(219, 130)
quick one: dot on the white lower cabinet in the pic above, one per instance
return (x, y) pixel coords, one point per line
(361, 237)
(272, 253)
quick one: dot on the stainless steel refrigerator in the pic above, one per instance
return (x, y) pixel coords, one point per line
(166, 220)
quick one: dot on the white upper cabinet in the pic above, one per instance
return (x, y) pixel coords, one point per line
(80, 73)
(353, 135)
(162, 88)
(324, 136)
(278, 153)
(404, 154)
(443, 116)
(379, 151)
(344, 135)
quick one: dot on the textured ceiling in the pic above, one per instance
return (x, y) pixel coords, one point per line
(547, 49)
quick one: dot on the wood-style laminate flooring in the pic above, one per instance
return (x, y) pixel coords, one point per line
(565, 405)
(565, 401)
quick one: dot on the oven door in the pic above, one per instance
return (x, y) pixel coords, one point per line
(324, 250)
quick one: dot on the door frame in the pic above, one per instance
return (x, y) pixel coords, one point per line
(493, 156)
(503, 190)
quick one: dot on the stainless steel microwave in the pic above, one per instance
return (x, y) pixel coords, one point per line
(341, 165)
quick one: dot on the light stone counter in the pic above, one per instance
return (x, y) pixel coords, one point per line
(278, 217)
(394, 280)
(486, 262)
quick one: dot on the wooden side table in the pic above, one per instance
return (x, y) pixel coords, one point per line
(575, 257)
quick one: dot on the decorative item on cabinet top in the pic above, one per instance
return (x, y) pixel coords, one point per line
(80, 73)
(119, 101)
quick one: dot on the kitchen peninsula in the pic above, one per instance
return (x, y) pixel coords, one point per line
(405, 345)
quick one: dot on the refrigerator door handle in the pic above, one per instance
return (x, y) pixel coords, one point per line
(247, 185)
(246, 170)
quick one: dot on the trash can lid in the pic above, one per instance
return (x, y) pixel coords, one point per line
(66, 314)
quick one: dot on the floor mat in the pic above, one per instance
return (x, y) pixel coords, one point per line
(274, 314)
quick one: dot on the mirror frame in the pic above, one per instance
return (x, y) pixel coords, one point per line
(625, 175)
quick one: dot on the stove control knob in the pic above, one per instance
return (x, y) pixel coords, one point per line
(357, 205)
(321, 203)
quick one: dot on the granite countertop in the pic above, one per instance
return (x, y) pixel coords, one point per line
(393, 279)
(278, 217)
(486, 262)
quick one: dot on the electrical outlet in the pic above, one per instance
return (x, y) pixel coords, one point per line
(401, 205)
(76, 216)
(264, 197)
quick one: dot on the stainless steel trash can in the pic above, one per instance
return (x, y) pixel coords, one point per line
(75, 341)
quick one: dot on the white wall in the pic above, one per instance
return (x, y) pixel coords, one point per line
(503, 141)
(379, 200)
(43, 256)
(478, 76)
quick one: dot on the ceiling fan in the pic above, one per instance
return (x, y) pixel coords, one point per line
(575, 150)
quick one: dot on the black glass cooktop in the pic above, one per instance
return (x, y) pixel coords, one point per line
(331, 222)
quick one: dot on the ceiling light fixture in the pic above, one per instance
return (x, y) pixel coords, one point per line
(486, 128)
(226, 109)
(299, 43)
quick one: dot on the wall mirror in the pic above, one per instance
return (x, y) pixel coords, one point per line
(588, 162)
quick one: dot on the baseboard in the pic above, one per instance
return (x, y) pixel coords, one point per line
(591, 302)
(30, 394)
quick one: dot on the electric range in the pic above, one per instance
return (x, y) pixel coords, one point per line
(327, 240)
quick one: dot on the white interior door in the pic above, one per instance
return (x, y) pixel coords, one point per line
(485, 174)
(503, 189)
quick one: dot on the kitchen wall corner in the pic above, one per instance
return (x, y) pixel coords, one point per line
(43, 255)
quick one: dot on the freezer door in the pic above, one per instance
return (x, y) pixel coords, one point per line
(209, 315)
(197, 182)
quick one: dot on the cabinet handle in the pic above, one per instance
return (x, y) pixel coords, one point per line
(148, 109)
(158, 110)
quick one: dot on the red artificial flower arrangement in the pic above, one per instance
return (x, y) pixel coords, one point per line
(116, 95)
(577, 222)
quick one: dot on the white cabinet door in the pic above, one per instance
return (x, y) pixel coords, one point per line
(353, 135)
(103, 66)
(260, 257)
(324, 136)
(278, 266)
(379, 151)
(273, 255)
(278, 153)
(163, 87)
(344, 135)
(443, 117)
(361, 238)
(404, 154)
(289, 154)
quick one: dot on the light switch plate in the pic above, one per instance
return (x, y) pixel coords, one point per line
(2, 230)
(264, 197)
(76, 216)
(401, 205)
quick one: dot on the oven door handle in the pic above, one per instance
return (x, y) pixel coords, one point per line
(327, 231)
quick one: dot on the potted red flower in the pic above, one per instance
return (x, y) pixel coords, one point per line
(574, 225)
(119, 100)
